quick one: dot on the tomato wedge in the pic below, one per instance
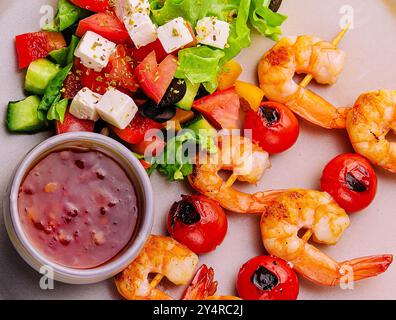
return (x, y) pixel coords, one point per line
(134, 133)
(139, 54)
(105, 24)
(154, 78)
(221, 108)
(36, 45)
(92, 5)
(118, 73)
(72, 124)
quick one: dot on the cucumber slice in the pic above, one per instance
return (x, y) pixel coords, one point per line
(188, 99)
(39, 74)
(59, 56)
(201, 126)
(22, 116)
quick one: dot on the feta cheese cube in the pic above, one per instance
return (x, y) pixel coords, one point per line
(124, 8)
(141, 29)
(175, 35)
(84, 105)
(117, 108)
(94, 51)
(213, 32)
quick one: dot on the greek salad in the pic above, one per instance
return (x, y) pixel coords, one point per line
(125, 67)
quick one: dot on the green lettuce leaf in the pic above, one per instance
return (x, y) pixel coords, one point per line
(265, 20)
(200, 65)
(197, 64)
(67, 15)
(173, 162)
(58, 110)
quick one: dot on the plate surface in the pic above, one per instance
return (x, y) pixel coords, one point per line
(369, 67)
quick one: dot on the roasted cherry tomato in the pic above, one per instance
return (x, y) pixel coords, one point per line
(273, 126)
(198, 222)
(267, 278)
(351, 181)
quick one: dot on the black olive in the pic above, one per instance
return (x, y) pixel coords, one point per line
(202, 92)
(275, 5)
(264, 279)
(176, 92)
(270, 114)
(185, 212)
(354, 184)
(157, 113)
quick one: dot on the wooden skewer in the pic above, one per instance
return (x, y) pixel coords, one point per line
(307, 236)
(155, 282)
(231, 180)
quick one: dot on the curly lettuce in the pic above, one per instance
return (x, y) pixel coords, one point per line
(196, 64)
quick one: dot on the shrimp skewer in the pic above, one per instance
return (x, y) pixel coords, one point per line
(304, 54)
(161, 255)
(316, 211)
(308, 78)
(371, 118)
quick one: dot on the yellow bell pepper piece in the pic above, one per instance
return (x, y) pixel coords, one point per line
(251, 93)
(230, 73)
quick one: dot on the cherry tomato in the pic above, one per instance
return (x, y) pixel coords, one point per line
(351, 181)
(275, 128)
(198, 222)
(267, 278)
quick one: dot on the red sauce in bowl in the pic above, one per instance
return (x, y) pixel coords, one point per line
(78, 207)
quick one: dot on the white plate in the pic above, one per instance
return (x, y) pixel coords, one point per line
(371, 52)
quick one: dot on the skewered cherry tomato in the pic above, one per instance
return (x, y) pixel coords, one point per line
(198, 222)
(274, 127)
(267, 278)
(351, 181)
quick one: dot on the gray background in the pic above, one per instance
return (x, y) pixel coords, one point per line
(371, 51)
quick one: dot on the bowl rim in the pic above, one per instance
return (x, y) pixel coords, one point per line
(115, 265)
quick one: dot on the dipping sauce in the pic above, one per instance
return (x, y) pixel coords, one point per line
(78, 207)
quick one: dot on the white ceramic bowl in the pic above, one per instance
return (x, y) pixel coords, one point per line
(137, 175)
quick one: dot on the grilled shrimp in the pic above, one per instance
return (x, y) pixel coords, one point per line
(317, 212)
(247, 160)
(161, 255)
(368, 123)
(303, 55)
